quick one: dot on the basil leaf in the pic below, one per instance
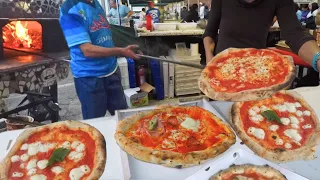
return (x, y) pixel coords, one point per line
(58, 155)
(153, 124)
(271, 116)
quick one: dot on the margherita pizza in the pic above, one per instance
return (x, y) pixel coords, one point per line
(249, 172)
(282, 128)
(246, 75)
(59, 151)
(174, 136)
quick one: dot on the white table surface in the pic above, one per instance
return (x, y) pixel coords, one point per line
(308, 169)
(106, 125)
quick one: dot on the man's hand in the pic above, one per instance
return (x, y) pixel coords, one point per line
(129, 51)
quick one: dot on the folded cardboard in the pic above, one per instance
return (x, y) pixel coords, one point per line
(138, 97)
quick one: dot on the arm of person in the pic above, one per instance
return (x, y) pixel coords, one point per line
(109, 13)
(211, 32)
(299, 40)
(77, 35)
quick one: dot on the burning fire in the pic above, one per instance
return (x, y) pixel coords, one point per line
(24, 34)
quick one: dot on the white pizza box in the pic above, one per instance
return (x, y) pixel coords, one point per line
(138, 170)
(239, 156)
(106, 125)
(309, 169)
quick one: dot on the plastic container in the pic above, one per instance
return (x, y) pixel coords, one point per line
(157, 79)
(132, 73)
(123, 65)
(165, 26)
(187, 26)
(149, 22)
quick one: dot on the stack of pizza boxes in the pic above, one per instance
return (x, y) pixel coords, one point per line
(186, 78)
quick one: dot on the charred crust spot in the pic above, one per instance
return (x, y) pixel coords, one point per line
(274, 137)
(165, 157)
(178, 166)
(279, 150)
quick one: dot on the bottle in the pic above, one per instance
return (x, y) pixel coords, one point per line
(141, 75)
(149, 22)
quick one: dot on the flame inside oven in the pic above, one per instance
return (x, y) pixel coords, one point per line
(22, 34)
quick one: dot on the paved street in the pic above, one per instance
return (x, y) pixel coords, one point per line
(68, 100)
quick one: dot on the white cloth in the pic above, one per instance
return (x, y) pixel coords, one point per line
(315, 12)
(202, 12)
(142, 16)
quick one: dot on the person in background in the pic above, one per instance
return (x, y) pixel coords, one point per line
(193, 15)
(202, 8)
(206, 12)
(97, 77)
(154, 12)
(310, 22)
(184, 14)
(142, 14)
(313, 10)
(254, 34)
(304, 13)
(124, 11)
(298, 11)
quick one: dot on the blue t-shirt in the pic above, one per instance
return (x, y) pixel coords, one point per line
(84, 22)
(123, 10)
(155, 14)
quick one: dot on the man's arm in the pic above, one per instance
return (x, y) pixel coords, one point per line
(211, 31)
(299, 40)
(76, 35)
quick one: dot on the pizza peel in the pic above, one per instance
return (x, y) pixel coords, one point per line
(194, 65)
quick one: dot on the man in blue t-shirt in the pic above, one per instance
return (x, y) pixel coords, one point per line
(93, 57)
(154, 12)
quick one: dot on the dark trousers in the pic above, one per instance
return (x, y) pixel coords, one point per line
(97, 95)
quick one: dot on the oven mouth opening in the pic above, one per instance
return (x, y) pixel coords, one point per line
(23, 35)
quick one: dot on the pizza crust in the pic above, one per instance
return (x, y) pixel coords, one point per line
(266, 171)
(246, 95)
(100, 154)
(165, 157)
(305, 152)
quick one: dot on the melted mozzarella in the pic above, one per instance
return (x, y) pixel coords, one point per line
(285, 121)
(168, 144)
(45, 147)
(283, 108)
(179, 136)
(299, 113)
(288, 146)
(17, 174)
(258, 133)
(252, 112)
(15, 158)
(257, 118)
(78, 173)
(75, 144)
(306, 113)
(274, 127)
(279, 141)
(42, 164)
(295, 126)
(297, 104)
(293, 134)
(24, 157)
(291, 108)
(57, 170)
(294, 120)
(66, 145)
(256, 109)
(24, 147)
(191, 124)
(264, 108)
(81, 147)
(32, 171)
(22, 165)
(38, 177)
(75, 156)
(32, 164)
(33, 148)
(307, 126)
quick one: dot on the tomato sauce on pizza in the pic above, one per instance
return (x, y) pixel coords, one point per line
(180, 130)
(31, 161)
(247, 69)
(291, 131)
